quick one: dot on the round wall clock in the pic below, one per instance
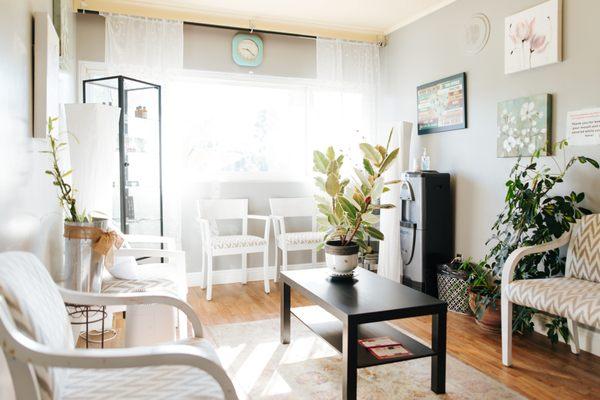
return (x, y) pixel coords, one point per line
(247, 50)
(477, 33)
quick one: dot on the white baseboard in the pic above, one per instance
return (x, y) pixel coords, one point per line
(235, 275)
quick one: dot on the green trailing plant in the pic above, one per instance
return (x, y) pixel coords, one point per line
(534, 214)
(347, 206)
(66, 194)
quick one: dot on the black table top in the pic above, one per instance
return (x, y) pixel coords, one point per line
(367, 293)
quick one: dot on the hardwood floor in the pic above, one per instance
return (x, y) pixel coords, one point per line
(539, 371)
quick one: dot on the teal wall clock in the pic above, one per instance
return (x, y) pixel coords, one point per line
(247, 50)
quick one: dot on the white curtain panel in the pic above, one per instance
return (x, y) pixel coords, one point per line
(147, 45)
(390, 261)
(152, 50)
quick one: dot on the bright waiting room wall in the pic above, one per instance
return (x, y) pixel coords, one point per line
(431, 48)
(209, 49)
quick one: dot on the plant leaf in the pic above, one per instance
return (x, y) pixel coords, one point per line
(370, 153)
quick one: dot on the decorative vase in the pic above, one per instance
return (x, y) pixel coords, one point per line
(341, 260)
(491, 319)
(83, 266)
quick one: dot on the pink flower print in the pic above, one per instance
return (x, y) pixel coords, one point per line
(538, 43)
(522, 31)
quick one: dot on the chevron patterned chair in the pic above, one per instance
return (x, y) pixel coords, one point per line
(38, 346)
(576, 296)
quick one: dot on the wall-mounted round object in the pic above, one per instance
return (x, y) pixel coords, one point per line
(476, 33)
(247, 50)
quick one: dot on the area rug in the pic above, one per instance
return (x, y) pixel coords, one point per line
(309, 368)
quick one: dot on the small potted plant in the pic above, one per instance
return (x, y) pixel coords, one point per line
(347, 205)
(484, 294)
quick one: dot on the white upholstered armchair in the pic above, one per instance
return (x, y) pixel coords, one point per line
(38, 345)
(576, 296)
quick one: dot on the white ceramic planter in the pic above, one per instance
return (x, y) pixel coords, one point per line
(341, 260)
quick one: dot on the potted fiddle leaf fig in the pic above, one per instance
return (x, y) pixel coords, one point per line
(348, 205)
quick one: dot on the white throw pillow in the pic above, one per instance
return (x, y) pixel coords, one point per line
(124, 268)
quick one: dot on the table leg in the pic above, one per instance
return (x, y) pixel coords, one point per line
(438, 362)
(285, 313)
(349, 355)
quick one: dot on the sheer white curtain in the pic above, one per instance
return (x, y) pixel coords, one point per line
(348, 75)
(152, 50)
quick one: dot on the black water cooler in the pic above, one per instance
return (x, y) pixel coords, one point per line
(426, 232)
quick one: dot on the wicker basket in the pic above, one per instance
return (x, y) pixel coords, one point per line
(452, 288)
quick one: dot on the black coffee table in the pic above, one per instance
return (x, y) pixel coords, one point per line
(360, 308)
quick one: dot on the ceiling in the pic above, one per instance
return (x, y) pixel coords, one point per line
(369, 17)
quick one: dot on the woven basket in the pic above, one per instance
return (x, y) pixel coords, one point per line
(453, 290)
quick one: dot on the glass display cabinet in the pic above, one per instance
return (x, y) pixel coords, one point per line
(137, 186)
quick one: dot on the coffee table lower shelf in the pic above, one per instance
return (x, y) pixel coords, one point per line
(331, 329)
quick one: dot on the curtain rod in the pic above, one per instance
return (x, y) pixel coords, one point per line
(298, 35)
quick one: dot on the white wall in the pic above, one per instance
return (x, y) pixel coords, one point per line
(431, 48)
(30, 218)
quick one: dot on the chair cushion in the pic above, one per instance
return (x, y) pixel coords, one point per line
(575, 299)
(159, 382)
(237, 242)
(583, 260)
(299, 238)
(114, 285)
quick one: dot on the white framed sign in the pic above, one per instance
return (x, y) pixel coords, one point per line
(583, 127)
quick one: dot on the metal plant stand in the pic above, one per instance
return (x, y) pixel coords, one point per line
(98, 314)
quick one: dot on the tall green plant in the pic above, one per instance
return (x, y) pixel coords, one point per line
(66, 194)
(347, 206)
(534, 214)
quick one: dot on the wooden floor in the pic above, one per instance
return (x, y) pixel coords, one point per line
(539, 371)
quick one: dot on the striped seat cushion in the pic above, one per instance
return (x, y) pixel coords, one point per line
(575, 299)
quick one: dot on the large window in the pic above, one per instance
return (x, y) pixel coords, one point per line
(261, 128)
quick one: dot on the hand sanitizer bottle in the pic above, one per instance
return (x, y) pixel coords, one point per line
(425, 160)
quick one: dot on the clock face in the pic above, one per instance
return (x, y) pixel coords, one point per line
(248, 49)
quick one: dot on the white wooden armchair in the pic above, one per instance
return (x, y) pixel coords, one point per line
(163, 270)
(214, 245)
(283, 208)
(575, 297)
(38, 345)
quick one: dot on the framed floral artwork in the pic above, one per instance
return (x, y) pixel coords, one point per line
(533, 38)
(524, 126)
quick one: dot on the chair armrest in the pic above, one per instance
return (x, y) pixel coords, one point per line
(30, 351)
(513, 259)
(254, 216)
(150, 253)
(169, 241)
(106, 299)
(278, 225)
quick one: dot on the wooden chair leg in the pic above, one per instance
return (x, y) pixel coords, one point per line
(506, 313)
(284, 263)
(209, 277)
(244, 268)
(574, 340)
(266, 271)
(203, 265)
(276, 264)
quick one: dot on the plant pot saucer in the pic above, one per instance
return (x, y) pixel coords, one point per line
(341, 276)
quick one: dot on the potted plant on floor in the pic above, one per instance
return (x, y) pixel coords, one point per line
(484, 294)
(347, 205)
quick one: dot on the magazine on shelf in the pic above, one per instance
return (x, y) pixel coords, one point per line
(384, 348)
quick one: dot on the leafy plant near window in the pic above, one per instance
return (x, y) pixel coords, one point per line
(347, 206)
(66, 192)
(533, 215)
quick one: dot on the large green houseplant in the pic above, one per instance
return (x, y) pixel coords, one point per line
(534, 214)
(347, 205)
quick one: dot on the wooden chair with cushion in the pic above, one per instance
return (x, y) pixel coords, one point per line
(214, 244)
(37, 342)
(576, 296)
(294, 241)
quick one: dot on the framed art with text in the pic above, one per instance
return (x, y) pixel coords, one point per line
(442, 105)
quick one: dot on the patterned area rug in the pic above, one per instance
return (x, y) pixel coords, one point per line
(308, 368)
